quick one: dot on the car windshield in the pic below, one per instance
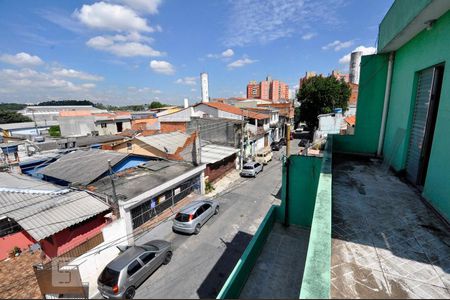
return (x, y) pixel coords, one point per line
(109, 277)
(248, 167)
(182, 217)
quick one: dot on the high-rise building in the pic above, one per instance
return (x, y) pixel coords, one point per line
(253, 90)
(205, 87)
(355, 62)
(308, 75)
(338, 75)
(268, 89)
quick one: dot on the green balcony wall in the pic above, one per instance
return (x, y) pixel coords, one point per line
(369, 108)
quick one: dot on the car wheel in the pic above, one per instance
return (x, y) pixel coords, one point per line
(167, 258)
(197, 229)
(129, 293)
(216, 211)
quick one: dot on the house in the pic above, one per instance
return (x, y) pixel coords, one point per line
(82, 123)
(369, 219)
(350, 121)
(146, 191)
(36, 212)
(82, 167)
(175, 146)
(219, 160)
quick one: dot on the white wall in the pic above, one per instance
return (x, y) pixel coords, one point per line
(92, 263)
(76, 125)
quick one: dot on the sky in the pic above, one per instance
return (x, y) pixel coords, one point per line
(137, 51)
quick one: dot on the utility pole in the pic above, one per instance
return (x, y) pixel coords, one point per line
(199, 144)
(288, 139)
(116, 202)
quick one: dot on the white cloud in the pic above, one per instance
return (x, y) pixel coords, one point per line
(26, 79)
(338, 45)
(71, 73)
(345, 60)
(148, 6)
(228, 53)
(240, 63)
(187, 81)
(225, 54)
(124, 45)
(21, 59)
(101, 15)
(264, 21)
(308, 36)
(162, 67)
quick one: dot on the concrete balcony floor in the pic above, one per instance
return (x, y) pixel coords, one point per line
(279, 269)
(386, 242)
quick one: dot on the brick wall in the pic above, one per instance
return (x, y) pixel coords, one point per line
(167, 127)
(217, 170)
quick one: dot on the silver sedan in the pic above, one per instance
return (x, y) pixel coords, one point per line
(191, 218)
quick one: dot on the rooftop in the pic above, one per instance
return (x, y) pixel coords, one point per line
(90, 140)
(237, 111)
(44, 213)
(12, 181)
(166, 142)
(82, 166)
(213, 153)
(386, 242)
(24, 125)
(135, 181)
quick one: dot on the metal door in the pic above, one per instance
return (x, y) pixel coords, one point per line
(419, 123)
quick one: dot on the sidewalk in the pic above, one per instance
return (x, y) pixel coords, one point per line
(225, 182)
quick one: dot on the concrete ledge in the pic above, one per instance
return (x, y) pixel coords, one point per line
(238, 277)
(316, 278)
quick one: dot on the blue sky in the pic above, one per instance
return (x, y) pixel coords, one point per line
(137, 51)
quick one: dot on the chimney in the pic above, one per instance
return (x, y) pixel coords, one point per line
(186, 102)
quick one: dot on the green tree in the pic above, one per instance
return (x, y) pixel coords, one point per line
(12, 117)
(12, 106)
(54, 131)
(320, 95)
(156, 104)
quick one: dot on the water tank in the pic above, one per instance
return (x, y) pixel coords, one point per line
(355, 62)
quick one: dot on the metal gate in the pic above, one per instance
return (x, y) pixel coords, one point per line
(419, 124)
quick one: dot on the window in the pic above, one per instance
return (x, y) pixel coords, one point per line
(146, 257)
(206, 207)
(182, 217)
(129, 146)
(199, 211)
(134, 267)
(109, 277)
(257, 165)
(103, 125)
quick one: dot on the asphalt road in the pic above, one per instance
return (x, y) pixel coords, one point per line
(201, 263)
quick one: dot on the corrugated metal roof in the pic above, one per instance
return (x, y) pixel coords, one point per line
(214, 153)
(44, 214)
(170, 141)
(11, 181)
(23, 125)
(82, 166)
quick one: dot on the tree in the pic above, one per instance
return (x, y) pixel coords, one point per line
(54, 131)
(12, 106)
(12, 117)
(321, 95)
(156, 104)
(65, 102)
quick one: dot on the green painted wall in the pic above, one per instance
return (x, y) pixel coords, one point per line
(316, 277)
(369, 110)
(238, 277)
(392, 24)
(304, 174)
(427, 49)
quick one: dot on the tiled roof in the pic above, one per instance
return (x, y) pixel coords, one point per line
(44, 213)
(351, 120)
(237, 111)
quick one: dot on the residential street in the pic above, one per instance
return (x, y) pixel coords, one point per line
(201, 263)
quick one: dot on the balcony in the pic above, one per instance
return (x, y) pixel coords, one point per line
(356, 230)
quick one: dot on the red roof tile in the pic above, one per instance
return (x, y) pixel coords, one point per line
(351, 120)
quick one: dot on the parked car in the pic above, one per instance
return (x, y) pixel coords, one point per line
(264, 156)
(251, 169)
(275, 146)
(192, 217)
(131, 268)
(282, 142)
